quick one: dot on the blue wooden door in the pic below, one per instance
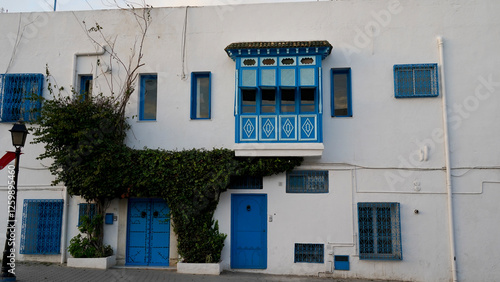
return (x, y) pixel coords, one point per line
(148, 232)
(249, 231)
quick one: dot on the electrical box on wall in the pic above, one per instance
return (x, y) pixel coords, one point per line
(108, 219)
(341, 262)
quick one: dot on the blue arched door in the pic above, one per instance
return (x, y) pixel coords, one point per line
(148, 232)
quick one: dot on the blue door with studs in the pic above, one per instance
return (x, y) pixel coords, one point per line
(249, 231)
(148, 233)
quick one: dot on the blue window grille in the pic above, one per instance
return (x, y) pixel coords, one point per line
(148, 96)
(416, 81)
(86, 209)
(41, 228)
(246, 182)
(307, 181)
(341, 105)
(20, 96)
(200, 95)
(379, 231)
(311, 253)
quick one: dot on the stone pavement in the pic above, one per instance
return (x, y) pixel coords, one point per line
(47, 272)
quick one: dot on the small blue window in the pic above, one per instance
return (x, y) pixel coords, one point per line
(379, 231)
(148, 96)
(341, 93)
(416, 81)
(86, 209)
(41, 228)
(246, 182)
(307, 181)
(85, 86)
(19, 96)
(200, 95)
(311, 253)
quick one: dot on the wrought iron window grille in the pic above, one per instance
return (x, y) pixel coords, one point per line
(307, 181)
(379, 231)
(310, 253)
(86, 209)
(41, 227)
(246, 182)
(416, 80)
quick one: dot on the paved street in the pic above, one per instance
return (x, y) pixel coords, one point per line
(30, 271)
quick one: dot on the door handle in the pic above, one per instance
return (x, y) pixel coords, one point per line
(143, 214)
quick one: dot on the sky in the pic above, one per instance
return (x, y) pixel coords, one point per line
(14, 6)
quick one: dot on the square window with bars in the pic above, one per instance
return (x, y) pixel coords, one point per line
(41, 228)
(307, 181)
(86, 209)
(311, 253)
(246, 182)
(379, 231)
(417, 80)
(19, 96)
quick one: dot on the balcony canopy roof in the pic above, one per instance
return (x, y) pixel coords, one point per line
(237, 49)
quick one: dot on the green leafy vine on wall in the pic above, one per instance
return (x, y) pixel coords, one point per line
(84, 137)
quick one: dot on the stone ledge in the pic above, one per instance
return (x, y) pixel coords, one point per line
(199, 268)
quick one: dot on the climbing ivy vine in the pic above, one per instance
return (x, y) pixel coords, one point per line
(84, 137)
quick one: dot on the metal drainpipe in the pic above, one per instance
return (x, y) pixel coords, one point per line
(449, 191)
(64, 230)
(75, 59)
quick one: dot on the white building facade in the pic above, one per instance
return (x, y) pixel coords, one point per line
(391, 103)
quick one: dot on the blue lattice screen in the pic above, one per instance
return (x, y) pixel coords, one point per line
(307, 181)
(246, 182)
(379, 231)
(41, 228)
(18, 96)
(416, 81)
(85, 209)
(312, 253)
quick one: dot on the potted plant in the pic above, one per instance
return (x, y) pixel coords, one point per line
(88, 250)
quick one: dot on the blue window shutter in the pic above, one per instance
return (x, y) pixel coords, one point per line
(341, 100)
(201, 95)
(86, 209)
(85, 86)
(41, 227)
(148, 97)
(20, 94)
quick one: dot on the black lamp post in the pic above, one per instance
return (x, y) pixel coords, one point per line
(19, 133)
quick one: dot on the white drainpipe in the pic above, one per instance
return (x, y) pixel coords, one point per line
(64, 230)
(449, 191)
(75, 69)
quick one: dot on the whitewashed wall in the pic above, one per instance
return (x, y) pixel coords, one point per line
(373, 156)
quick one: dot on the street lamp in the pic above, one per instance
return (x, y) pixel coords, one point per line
(19, 133)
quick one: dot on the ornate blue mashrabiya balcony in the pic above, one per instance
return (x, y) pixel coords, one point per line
(278, 98)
